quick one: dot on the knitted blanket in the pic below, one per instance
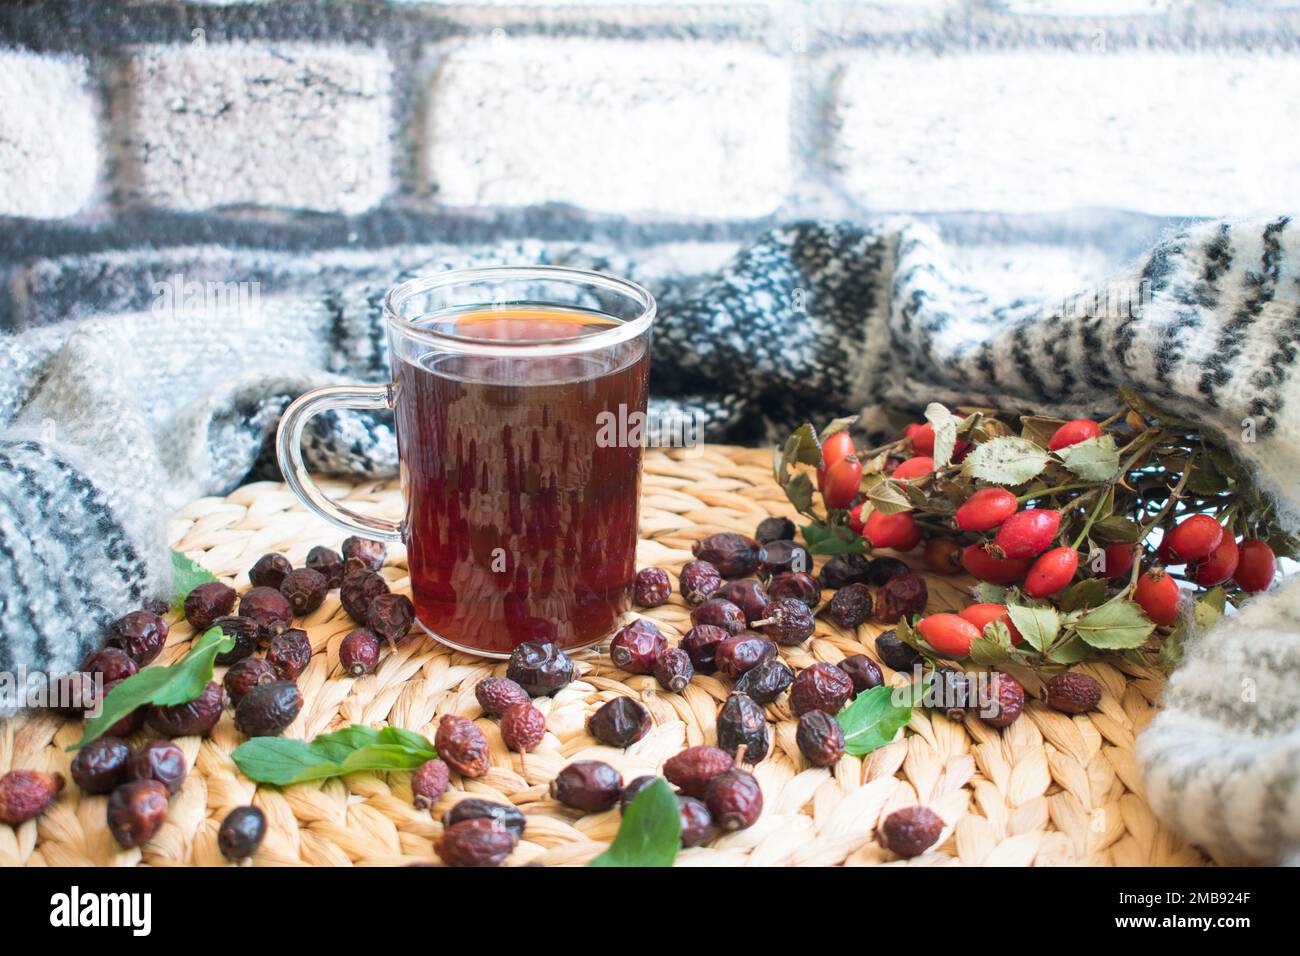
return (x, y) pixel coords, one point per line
(107, 425)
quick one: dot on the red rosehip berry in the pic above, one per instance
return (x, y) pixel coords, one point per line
(841, 482)
(986, 509)
(855, 520)
(1256, 566)
(1051, 572)
(1220, 565)
(1194, 538)
(1071, 433)
(1119, 560)
(1027, 533)
(921, 436)
(948, 634)
(982, 615)
(834, 449)
(917, 467)
(897, 531)
(988, 567)
(1158, 595)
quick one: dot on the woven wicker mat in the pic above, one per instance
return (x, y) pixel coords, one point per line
(1050, 789)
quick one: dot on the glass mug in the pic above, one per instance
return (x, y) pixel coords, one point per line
(511, 392)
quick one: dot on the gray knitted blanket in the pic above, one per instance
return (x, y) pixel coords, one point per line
(107, 425)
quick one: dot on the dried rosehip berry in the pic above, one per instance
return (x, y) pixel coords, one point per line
(141, 634)
(795, 585)
(155, 606)
(719, 613)
(781, 557)
(363, 554)
(948, 634)
(205, 604)
(136, 812)
(820, 686)
(636, 647)
(741, 723)
(497, 694)
(100, 766)
(748, 595)
(268, 709)
(898, 531)
(111, 663)
(1028, 533)
(1004, 700)
(765, 681)
(193, 719)
(24, 794)
(270, 609)
(244, 675)
(326, 562)
(734, 799)
(390, 616)
(775, 529)
(900, 598)
(71, 695)
(159, 760)
(478, 842)
(1072, 693)
(701, 644)
(978, 562)
(539, 668)
(358, 589)
(699, 581)
(734, 555)
(247, 634)
(1256, 566)
(884, 569)
(737, 654)
(359, 652)
(429, 782)
(911, 831)
(241, 833)
(1051, 572)
(850, 606)
(522, 727)
(304, 589)
(673, 670)
(289, 653)
(986, 509)
(474, 808)
(632, 789)
(269, 570)
(951, 693)
(696, 821)
(820, 738)
(788, 622)
(651, 587)
(128, 724)
(863, 671)
(620, 722)
(460, 743)
(692, 769)
(1158, 595)
(587, 785)
(845, 569)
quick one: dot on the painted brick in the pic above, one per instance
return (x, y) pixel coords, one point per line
(288, 126)
(687, 129)
(1172, 134)
(49, 144)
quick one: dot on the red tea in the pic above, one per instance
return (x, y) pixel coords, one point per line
(522, 514)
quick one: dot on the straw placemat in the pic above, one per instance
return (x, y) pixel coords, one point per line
(1050, 789)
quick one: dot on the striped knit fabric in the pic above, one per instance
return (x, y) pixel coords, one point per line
(105, 428)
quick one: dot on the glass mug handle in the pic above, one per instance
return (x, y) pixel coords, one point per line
(288, 451)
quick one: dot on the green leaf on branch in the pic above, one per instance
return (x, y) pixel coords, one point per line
(1087, 593)
(1039, 429)
(874, 718)
(1116, 530)
(836, 425)
(650, 832)
(1037, 625)
(1115, 626)
(283, 762)
(186, 576)
(1096, 459)
(887, 497)
(800, 492)
(1072, 650)
(1005, 461)
(1209, 608)
(945, 425)
(831, 541)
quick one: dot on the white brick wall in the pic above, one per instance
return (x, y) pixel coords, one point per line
(290, 126)
(49, 147)
(688, 129)
(1166, 133)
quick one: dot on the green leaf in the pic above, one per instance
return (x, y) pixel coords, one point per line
(802, 447)
(1087, 593)
(1209, 608)
(874, 718)
(283, 762)
(186, 576)
(945, 425)
(385, 757)
(992, 593)
(799, 490)
(651, 831)
(1171, 649)
(823, 540)
(1115, 626)
(1005, 461)
(888, 498)
(1096, 459)
(986, 653)
(836, 425)
(180, 683)
(1037, 625)
(1038, 429)
(1070, 651)
(1116, 530)
(1205, 478)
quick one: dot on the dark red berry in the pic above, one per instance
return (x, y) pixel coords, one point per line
(734, 799)
(241, 833)
(900, 598)
(692, 769)
(738, 654)
(159, 760)
(100, 766)
(72, 694)
(24, 794)
(1192, 539)
(111, 663)
(748, 595)
(474, 808)
(460, 743)
(794, 586)
(696, 821)
(820, 738)
(193, 719)
(734, 555)
(951, 693)
(783, 557)
(429, 782)
(1072, 693)
(522, 727)
(775, 529)
(359, 652)
(247, 634)
(699, 581)
(479, 842)
(539, 668)
(269, 571)
(820, 686)
(636, 647)
(141, 634)
(651, 587)
(620, 722)
(1028, 533)
(788, 622)
(588, 785)
(205, 604)
(895, 653)
(289, 653)
(631, 791)
(1004, 700)
(701, 644)
(136, 812)
(673, 670)
(497, 694)
(390, 617)
(155, 606)
(863, 671)
(270, 609)
(719, 613)
(845, 569)
(741, 723)
(911, 831)
(882, 569)
(304, 589)
(268, 709)
(850, 606)
(765, 681)
(363, 554)
(244, 675)
(1218, 566)
(1256, 566)
(328, 563)
(358, 589)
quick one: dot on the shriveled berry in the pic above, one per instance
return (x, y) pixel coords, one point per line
(635, 648)
(845, 569)
(841, 482)
(850, 606)
(141, 634)
(241, 833)
(475, 808)
(429, 782)
(304, 589)
(734, 555)
(895, 653)
(820, 738)
(128, 724)
(701, 645)
(794, 585)
(522, 727)
(620, 722)
(497, 694)
(699, 581)
(765, 681)
(193, 719)
(1027, 533)
(748, 595)
(136, 812)
(1192, 539)
(696, 821)
(101, 765)
(734, 799)
(979, 563)
(269, 608)
(1158, 595)
(986, 509)
(692, 769)
(289, 653)
(358, 589)
(911, 831)
(205, 604)
(390, 617)
(1220, 565)
(863, 671)
(72, 694)
(1072, 693)
(268, 709)
(359, 652)
(898, 531)
(480, 842)
(328, 563)
(589, 785)
(363, 554)
(674, 670)
(244, 675)
(1256, 566)
(1071, 433)
(948, 634)
(460, 743)
(900, 598)
(111, 663)
(719, 613)
(1004, 700)
(159, 760)
(788, 622)
(943, 555)
(784, 557)
(269, 571)
(820, 686)
(631, 791)
(884, 568)
(155, 606)
(774, 529)
(651, 587)
(951, 693)
(538, 668)
(24, 794)
(738, 654)
(247, 634)
(741, 723)
(1051, 572)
